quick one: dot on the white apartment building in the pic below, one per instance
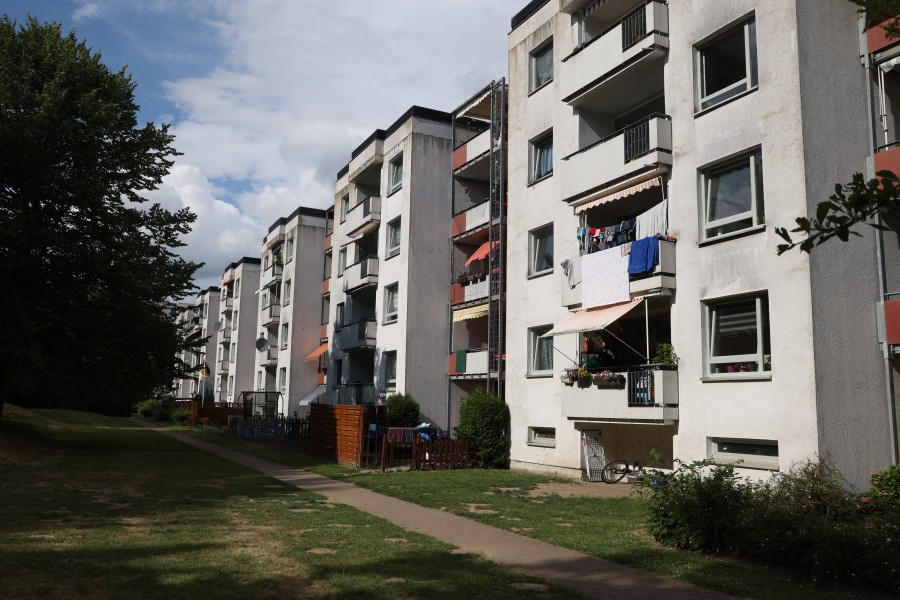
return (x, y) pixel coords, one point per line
(201, 320)
(653, 148)
(388, 291)
(184, 317)
(289, 307)
(236, 330)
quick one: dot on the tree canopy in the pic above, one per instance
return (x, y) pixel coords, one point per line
(87, 267)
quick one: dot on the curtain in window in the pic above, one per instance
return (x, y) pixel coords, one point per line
(543, 252)
(396, 174)
(391, 308)
(543, 360)
(543, 159)
(544, 67)
(394, 241)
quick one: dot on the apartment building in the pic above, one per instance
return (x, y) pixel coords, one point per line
(236, 329)
(478, 247)
(184, 317)
(388, 291)
(319, 356)
(201, 320)
(653, 148)
(289, 305)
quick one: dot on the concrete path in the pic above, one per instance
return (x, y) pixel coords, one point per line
(593, 577)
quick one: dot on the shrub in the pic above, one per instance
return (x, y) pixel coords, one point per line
(181, 415)
(699, 506)
(146, 408)
(484, 421)
(403, 410)
(161, 413)
(886, 486)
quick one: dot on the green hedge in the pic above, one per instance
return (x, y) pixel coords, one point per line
(484, 421)
(402, 410)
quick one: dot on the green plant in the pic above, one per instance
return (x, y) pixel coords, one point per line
(484, 421)
(403, 410)
(146, 408)
(886, 486)
(181, 415)
(665, 354)
(161, 413)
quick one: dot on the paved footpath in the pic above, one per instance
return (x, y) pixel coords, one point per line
(591, 576)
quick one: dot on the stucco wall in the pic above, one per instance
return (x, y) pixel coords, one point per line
(246, 306)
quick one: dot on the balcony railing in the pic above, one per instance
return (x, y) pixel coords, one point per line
(364, 217)
(271, 314)
(613, 158)
(470, 291)
(356, 393)
(270, 357)
(271, 275)
(471, 218)
(361, 275)
(472, 149)
(226, 304)
(468, 363)
(223, 366)
(649, 395)
(225, 333)
(360, 334)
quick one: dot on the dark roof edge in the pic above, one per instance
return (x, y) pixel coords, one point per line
(300, 210)
(522, 16)
(249, 260)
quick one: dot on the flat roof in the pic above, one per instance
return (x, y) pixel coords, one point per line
(300, 210)
(530, 8)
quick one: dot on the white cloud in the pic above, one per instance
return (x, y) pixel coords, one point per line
(86, 11)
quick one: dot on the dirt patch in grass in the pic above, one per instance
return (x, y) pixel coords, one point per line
(565, 489)
(477, 509)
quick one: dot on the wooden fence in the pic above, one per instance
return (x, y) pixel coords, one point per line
(214, 413)
(442, 454)
(336, 431)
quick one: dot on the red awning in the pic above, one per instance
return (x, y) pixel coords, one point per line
(315, 354)
(481, 253)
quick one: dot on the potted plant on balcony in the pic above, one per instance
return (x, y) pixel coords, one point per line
(665, 354)
(584, 377)
(568, 376)
(608, 379)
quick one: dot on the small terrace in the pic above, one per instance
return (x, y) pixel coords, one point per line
(360, 334)
(364, 217)
(361, 275)
(468, 364)
(636, 394)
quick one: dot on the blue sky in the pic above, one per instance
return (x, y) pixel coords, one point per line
(267, 98)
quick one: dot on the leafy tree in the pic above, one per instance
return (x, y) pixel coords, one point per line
(87, 269)
(859, 201)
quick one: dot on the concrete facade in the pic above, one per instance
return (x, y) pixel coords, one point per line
(236, 336)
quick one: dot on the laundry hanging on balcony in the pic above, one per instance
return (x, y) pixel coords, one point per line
(644, 255)
(604, 278)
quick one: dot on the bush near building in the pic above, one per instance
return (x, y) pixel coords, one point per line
(484, 421)
(805, 518)
(403, 410)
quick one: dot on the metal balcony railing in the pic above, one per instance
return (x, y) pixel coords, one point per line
(634, 28)
(637, 140)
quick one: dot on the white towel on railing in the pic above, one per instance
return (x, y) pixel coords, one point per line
(652, 222)
(604, 278)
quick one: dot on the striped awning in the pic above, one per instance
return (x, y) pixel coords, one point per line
(623, 193)
(315, 354)
(469, 313)
(593, 319)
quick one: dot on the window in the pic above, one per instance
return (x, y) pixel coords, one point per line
(326, 309)
(259, 380)
(232, 354)
(390, 370)
(289, 250)
(284, 336)
(338, 373)
(540, 63)
(237, 287)
(234, 321)
(393, 238)
(345, 207)
(231, 385)
(342, 261)
(760, 454)
(395, 174)
(733, 196)
(287, 292)
(391, 301)
(727, 66)
(282, 379)
(540, 250)
(542, 436)
(541, 157)
(339, 316)
(540, 351)
(738, 342)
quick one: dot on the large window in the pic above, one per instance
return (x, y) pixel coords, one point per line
(733, 196)
(390, 370)
(395, 174)
(540, 250)
(727, 66)
(391, 303)
(541, 157)
(738, 330)
(540, 63)
(393, 238)
(540, 351)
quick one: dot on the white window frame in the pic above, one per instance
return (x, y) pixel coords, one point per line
(536, 147)
(342, 261)
(390, 364)
(234, 321)
(750, 461)
(289, 250)
(395, 174)
(533, 236)
(709, 180)
(282, 376)
(232, 352)
(544, 437)
(534, 343)
(339, 316)
(287, 293)
(751, 75)
(392, 227)
(285, 335)
(762, 334)
(237, 287)
(534, 56)
(345, 207)
(391, 290)
(231, 385)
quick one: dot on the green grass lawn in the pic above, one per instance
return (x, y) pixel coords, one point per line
(610, 528)
(96, 507)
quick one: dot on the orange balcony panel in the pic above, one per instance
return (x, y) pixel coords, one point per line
(888, 160)
(876, 38)
(457, 294)
(458, 224)
(892, 321)
(451, 365)
(323, 331)
(328, 242)
(459, 157)
(325, 285)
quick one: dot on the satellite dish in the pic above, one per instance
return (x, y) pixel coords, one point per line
(262, 344)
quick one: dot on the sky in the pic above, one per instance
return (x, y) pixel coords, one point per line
(267, 98)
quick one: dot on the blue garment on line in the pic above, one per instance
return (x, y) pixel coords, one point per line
(644, 255)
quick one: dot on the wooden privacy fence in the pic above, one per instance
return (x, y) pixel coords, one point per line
(442, 454)
(336, 431)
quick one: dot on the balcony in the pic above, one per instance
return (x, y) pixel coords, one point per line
(271, 275)
(364, 217)
(358, 335)
(633, 149)
(356, 393)
(648, 396)
(468, 364)
(328, 242)
(361, 275)
(225, 333)
(226, 304)
(621, 66)
(223, 366)
(270, 357)
(473, 218)
(474, 148)
(271, 315)
(474, 291)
